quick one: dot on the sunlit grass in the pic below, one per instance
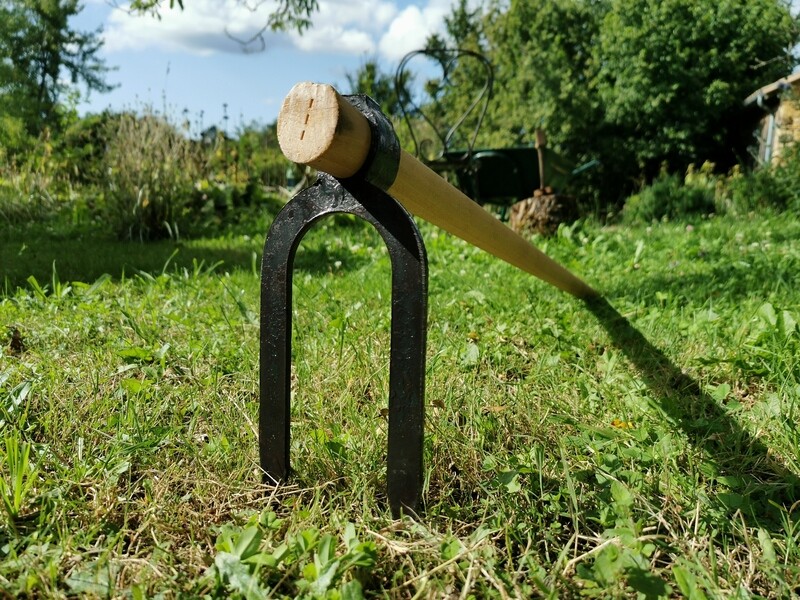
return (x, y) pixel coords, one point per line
(647, 447)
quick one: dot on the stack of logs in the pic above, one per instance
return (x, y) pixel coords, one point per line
(546, 209)
(543, 212)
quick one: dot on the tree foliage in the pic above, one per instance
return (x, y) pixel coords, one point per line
(633, 83)
(369, 79)
(672, 74)
(39, 51)
(542, 54)
(456, 93)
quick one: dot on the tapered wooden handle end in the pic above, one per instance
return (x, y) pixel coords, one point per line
(319, 128)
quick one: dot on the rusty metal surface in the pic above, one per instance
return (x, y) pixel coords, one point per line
(329, 196)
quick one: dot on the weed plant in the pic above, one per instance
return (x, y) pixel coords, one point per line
(18, 205)
(27, 187)
(151, 170)
(776, 187)
(643, 446)
(139, 177)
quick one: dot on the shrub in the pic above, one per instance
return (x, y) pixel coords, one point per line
(19, 205)
(13, 137)
(756, 190)
(787, 176)
(772, 187)
(151, 169)
(669, 197)
(26, 185)
(82, 146)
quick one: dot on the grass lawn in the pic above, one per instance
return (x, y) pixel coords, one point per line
(645, 446)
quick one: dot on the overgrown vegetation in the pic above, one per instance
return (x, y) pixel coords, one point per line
(140, 174)
(580, 70)
(140, 177)
(701, 192)
(648, 446)
(151, 169)
(671, 197)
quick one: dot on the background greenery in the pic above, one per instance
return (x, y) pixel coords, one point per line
(646, 92)
(650, 91)
(640, 85)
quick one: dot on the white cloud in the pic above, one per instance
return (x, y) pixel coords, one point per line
(211, 26)
(370, 15)
(345, 26)
(412, 27)
(335, 39)
(409, 31)
(204, 27)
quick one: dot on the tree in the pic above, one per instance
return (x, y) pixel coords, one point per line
(12, 127)
(633, 83)
(542, 54)
(380, 86)
(459, 97)
(38, 49)
(672, 74)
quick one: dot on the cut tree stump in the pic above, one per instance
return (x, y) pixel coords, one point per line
(543, 213)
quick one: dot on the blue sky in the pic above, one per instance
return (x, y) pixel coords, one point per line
(188, 61)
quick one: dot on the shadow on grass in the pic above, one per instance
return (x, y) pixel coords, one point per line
(733, 451)
(723, 273)
(85, 258)
(730, 281)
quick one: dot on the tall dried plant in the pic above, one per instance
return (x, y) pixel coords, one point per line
(151, 169)
(26, 183)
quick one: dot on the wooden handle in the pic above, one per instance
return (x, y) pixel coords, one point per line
(317, 127)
